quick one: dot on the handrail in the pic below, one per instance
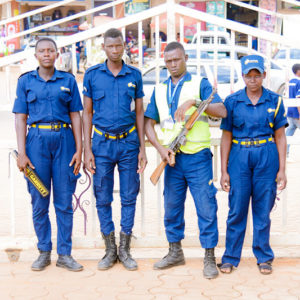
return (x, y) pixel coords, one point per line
(64, 20)
(90, 33)
(36, 11)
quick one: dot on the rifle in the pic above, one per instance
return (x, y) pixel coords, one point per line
(33, 177)
(181, 137)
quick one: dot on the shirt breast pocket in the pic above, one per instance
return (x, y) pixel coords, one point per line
(98, 97)
(238, 122)
(65, 97)
(131, 94)
(33, 107)
(271, 116)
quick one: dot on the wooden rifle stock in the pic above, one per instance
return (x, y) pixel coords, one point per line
(157, 172)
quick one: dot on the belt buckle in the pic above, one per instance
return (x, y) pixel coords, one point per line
(256, 142)
(106, 135)
(125, 134)
(247, 142)
(117, 136)
(55, 127)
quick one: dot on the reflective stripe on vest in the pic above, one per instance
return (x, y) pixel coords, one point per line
(198, 137)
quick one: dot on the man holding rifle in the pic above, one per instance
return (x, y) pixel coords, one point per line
(172, 103)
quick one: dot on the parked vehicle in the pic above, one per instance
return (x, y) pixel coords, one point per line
(281, 57)
(208, 37)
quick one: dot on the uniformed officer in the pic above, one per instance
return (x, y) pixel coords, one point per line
(171, 103)
(113, 103)
(253, 148)
(48, 101)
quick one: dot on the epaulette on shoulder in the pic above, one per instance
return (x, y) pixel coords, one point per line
(24, 74)
(92, 68)
(235, 94)
(134, 68)
(65, 72)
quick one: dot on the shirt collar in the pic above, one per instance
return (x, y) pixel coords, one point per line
(55, 75)
(186, 77)
(125, 69)
(263, 98)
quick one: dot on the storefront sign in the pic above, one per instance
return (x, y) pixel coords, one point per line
(135, 6)
(191, 29)
(216, 8)
(266, 22)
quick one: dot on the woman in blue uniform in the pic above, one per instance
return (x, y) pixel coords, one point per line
(48, 101)
(253, 148)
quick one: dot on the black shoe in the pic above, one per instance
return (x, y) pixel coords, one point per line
(42, 262)
(175, 257)
(69, 263)
(124, 252)
(210, 270)
(111, 252)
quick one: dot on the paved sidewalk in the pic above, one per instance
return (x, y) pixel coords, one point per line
(186, 282)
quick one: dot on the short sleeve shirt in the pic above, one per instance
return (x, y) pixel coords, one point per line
(47, 101)
(246, 120)
(113, 96)
(294, 92)
(205, 92)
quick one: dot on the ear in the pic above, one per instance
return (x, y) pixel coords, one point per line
(264, 74)
(35, 55)
(57, 55)
(186, 57)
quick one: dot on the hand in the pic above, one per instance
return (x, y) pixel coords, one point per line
(142, 161)
(181, 110)
(281, 180)
(166, 156)
(89, 161)
(76, 161)
(225, 182)
(22, 163)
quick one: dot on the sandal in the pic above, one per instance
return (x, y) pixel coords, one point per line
(225, 266)
(266, 266)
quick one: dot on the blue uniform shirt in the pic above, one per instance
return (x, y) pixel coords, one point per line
(113, 97)
(205, 92)
(246, 120)
(294, 92)
(47, 101)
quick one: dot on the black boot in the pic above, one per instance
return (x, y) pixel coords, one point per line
(124, 252)
(42, 262)
(175, 257)
(69, 263)
(210, 269)
(111, 252)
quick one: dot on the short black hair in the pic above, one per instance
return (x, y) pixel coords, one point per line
(174, 45)
(113, 33)
(296, 68)
(45, 39)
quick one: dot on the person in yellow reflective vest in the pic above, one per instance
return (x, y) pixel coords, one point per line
(172, 103)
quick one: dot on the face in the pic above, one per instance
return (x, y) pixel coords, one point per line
(254, 80)
(175, 61)
(46, 54)
(298, 73)
(114, 48)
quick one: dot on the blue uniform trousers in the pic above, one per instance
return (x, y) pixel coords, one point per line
(51, 152)
(252, 172)
(109, 153)
(193, 171)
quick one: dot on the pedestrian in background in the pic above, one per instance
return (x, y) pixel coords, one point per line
(293, 115)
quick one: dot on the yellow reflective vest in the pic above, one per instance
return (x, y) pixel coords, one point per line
(198, 137)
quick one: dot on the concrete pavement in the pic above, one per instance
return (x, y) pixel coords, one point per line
(186, 282)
